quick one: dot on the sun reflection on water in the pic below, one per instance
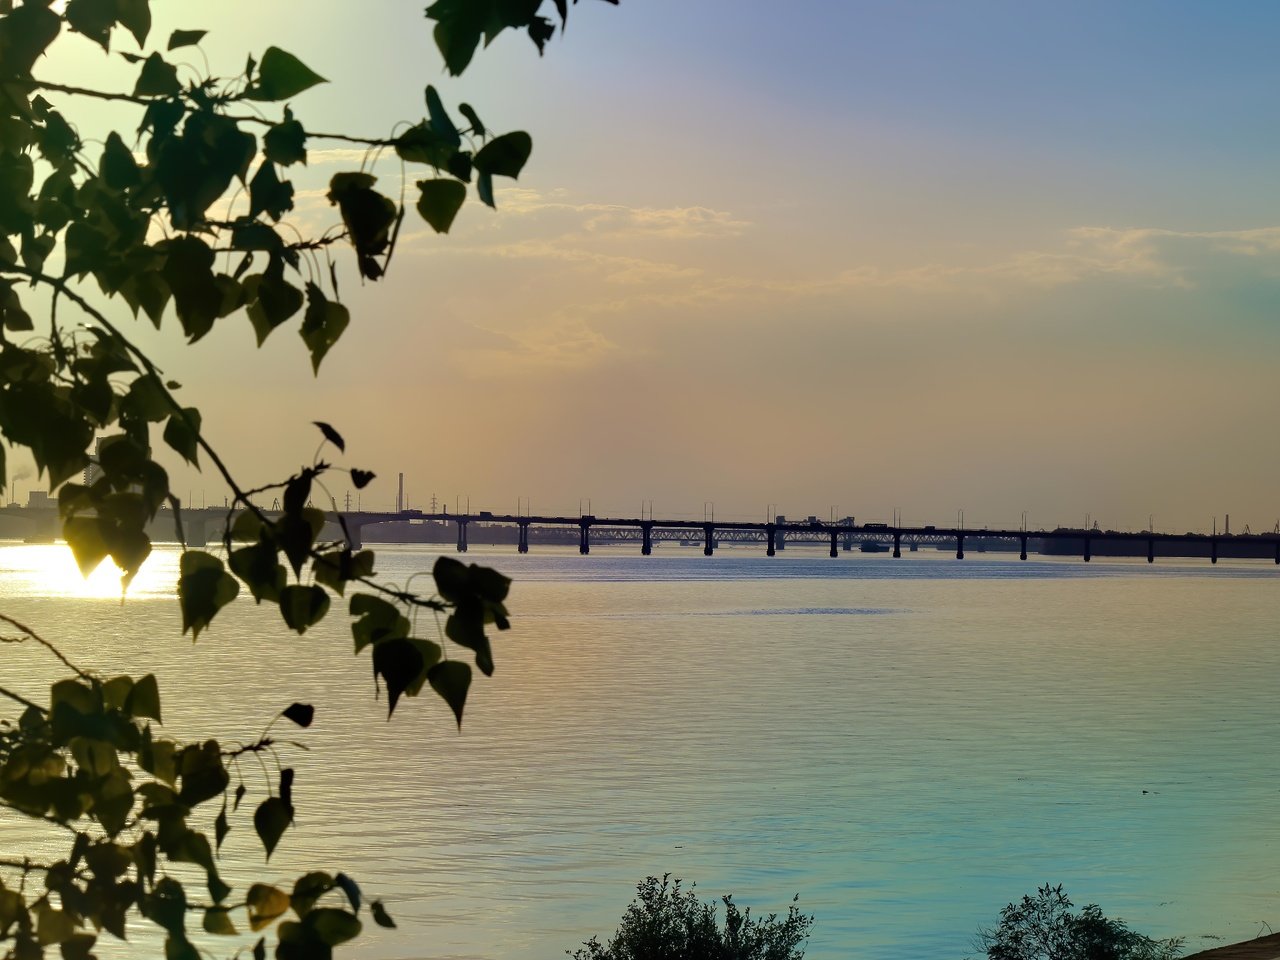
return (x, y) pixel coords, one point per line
(50, 570)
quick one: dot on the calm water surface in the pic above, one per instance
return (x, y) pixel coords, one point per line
(908, 745)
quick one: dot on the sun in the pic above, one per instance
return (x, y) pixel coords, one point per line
(50, 570)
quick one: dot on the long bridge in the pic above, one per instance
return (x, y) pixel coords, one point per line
(775, 534)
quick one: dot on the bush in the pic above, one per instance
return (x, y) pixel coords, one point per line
(665, 922)
(1045, 928)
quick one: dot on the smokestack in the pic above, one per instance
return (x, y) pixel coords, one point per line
(400, 496)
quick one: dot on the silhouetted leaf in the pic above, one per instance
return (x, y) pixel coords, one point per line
(441, 125)
(240, 792)
(88, 545)
(300, 713)
(309, 888)
(380, 915)
(118, 168)
(157, 78)
(285, 143)
(281, 75)
(271, 819)
(322, 325)
(332, 926)
(201, 773)
(221, 828)
(378, 620)
(440, 202)
(144, 699)
(331, 435)
(269, 194)
(259, 567)
(350, 888)
(473, 118)
(185, 38)
(183, 434)
(361, 478)
(504, 156)
(204, 588)
(451, 679)
(484, 188)
(265, 903)
(135, 16)
(399, 663)
(217, 920)
(303, 606)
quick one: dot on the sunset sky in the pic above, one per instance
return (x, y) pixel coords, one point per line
(872, 255)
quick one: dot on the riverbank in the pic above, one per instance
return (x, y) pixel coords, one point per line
(1263, 948)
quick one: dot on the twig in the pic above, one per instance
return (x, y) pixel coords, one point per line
(46, 644)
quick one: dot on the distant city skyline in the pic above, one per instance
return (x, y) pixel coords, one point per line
(926, 256)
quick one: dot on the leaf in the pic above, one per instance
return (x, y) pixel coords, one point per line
(380, 915)
(144, 699)
(300, 713)
(220, 829)
(157, 78)
(286, 142)
(272, 301)
(183, 434)
(350, 888)
(269, 194)
(185, 38)
(399, 663)
(88, 545)
(377, 620)
(204, 588)
(92, 18)
(440, 202)
(484, 188)
(271, 819)
(281, 75)
(118, 168)
(473, 118)
(309, 888)
(265, 903)
(322, 324)
(260, 568)
(240, 792)
(332, 926)
(135, 16)
(331, 435)
(451, 679)
(441, 125)
(361, 478)
(504, 156)
(303, 606)
(217, 920)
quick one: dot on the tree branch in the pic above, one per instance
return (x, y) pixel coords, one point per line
(47, 645)
(21, 699)
(147, 101)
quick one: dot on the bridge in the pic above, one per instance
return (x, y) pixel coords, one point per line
(774, 535)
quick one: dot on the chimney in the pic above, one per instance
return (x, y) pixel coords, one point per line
(400, 496)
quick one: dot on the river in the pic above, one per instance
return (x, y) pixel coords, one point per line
(906, 744)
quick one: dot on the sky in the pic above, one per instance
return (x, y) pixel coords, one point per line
(804, 258)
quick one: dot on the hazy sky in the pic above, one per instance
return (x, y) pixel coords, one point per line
(994, 256)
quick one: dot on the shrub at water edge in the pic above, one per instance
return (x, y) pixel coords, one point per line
(665, 921)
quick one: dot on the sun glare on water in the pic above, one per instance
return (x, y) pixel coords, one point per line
(50, 570)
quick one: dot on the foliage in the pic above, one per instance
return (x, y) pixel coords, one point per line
(665, 922)
(1045, 928)
(185, 219)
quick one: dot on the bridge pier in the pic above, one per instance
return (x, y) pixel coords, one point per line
(1151, 550)
(523, 545)
(959, 546)
(1023, 555)
(1088, 550)
(897, 545)
(646, 544)
(709, 543)
(462, 536)
(1213, 550)
(833, 544)
(584, 538)
(354, 540)
(771, 531)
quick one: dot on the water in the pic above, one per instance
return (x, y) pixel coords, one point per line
(908, 745)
